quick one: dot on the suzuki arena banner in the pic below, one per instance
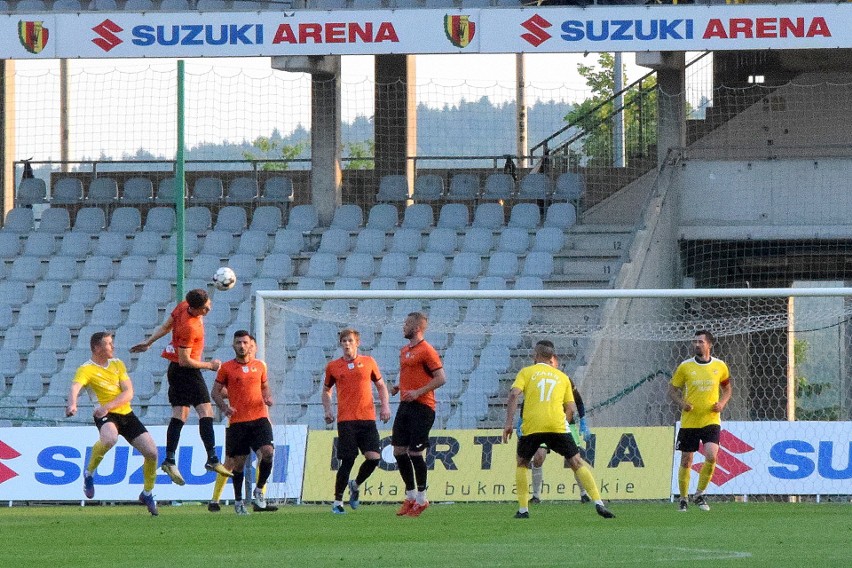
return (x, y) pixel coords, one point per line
(100, 35)
(779, 458)
(474, 465)
(46, 464)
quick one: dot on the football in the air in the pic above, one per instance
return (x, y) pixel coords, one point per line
(224, 279)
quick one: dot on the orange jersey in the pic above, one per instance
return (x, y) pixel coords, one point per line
(187, 331)
(416, 366)
(244, 382)
(354, 381)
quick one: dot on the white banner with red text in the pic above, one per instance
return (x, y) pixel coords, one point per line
(100, 35)
(779, 458)
(46, 464)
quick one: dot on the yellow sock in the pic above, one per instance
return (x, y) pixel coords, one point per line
(218, 486)
(683, 481)
(99, 450)
(522, 480)
(705, 474)
(149, 474)
(587, 480)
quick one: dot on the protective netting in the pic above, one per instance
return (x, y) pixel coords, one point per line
(620, 351)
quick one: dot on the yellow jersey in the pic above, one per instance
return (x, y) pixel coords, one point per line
(104, 381)
(546, 391)
(700, 383)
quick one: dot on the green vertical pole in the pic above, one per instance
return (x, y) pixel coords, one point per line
(179, 180)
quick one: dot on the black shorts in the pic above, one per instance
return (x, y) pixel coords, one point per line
(128, 425)
(357, 435)
(412, 425)
(244, 437)
(562, 444)
(186, 386)
(689, 439)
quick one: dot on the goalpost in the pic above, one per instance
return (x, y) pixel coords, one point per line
(786, 349)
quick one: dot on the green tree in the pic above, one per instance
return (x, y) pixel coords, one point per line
(276, 150)
(807, 391)
(595, 115)
(361, 155)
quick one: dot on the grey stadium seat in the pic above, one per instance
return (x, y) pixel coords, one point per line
(103, 191)
(429, 187)
(418, 216)
(137, 191)
(90, 220)
(498, 186)
(67, 191)
(348, 217)
(392, 189)
(31, 191)
(383, 216)
(464, 187)
(242, 190)
(207, 190)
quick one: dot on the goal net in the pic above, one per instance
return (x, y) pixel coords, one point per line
(786, 349)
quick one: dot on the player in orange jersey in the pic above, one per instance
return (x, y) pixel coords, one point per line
(249, 429)
(421, 371)
(353, 376)
(186, 385)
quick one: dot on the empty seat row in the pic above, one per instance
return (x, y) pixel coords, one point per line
(569, 186)
(432, 265)
(443, 240)
(140, 191)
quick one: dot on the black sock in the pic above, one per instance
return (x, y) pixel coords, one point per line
(366, 469)
(238, 479)
(173, 438)
(208, 437)
(342, 477)
(263, 471)
(406, 470)
(419, 466)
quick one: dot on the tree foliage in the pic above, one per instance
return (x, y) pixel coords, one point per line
(596, 115)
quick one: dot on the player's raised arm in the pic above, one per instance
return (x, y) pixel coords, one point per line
(161, 331)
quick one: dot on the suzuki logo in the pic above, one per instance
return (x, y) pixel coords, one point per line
(107, 30)
(7, 453)
(727, 466)
(536, 26)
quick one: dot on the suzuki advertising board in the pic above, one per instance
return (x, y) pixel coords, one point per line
(46, 464)
(779, 458)
(100, 35)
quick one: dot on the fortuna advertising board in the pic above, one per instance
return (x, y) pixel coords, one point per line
(474, 465)
(779, 458)
(99, 35)
(46, 464)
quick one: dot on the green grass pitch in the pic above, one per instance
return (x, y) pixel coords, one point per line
(459, 535)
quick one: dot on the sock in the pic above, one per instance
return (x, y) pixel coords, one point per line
(149, 473)
(537, 480)
(238, 479)
(337, 503)
(410, 495)
(208, 437)
(522, 482)
(587, 481)
(582, 489)
(172, 438)
(406, 471)
(99, 450)
(366, 470)
(420, 472)
(705, 474)
(263, 471)
(342, 477)
(683, 481)
(218, 486)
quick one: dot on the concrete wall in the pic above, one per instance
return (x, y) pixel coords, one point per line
(753, 199)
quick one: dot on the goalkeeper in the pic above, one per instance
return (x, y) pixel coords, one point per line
(537, 462)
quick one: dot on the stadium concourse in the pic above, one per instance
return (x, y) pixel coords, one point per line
(76, 270)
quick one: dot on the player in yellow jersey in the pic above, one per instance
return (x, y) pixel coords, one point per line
(107, 377)
(701, 387)
(548, 405)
